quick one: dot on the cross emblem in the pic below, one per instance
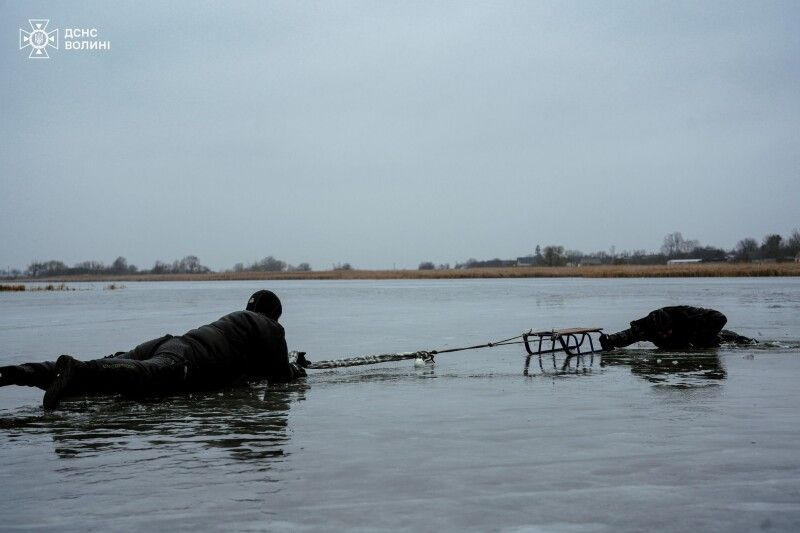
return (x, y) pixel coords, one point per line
(39, 39)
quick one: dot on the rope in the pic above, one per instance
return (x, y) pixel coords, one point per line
(369, 360)
(425, 355)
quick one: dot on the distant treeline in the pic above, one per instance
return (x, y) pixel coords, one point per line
(270, 264)
(188, 265)
(773, 248)
(43, 269)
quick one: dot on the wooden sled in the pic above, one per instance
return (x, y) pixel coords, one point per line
(570, 341)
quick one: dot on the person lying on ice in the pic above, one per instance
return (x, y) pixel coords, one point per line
(677, 328)
(241, 346)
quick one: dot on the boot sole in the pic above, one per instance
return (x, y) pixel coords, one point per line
(64, 370)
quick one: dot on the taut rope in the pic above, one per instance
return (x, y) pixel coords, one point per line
(425, 355)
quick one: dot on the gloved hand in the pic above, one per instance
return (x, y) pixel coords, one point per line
(297, 364)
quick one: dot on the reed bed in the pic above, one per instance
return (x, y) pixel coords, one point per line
(52, 287)
(48, 287)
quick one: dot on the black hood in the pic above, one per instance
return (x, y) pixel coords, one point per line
(266, 303)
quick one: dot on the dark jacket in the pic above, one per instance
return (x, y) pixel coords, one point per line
(242, 345)
(682, 326)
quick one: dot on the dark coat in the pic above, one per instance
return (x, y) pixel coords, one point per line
(242, 345)
(681, 326)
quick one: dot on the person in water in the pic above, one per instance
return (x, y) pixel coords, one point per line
(676, 328)
(242, 346)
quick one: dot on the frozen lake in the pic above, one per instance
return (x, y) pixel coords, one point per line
(647, 441)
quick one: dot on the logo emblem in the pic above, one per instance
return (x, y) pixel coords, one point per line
(39, 39)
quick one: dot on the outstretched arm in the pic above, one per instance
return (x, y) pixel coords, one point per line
(39, 375)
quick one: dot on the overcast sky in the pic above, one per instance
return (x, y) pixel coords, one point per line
(387, 133)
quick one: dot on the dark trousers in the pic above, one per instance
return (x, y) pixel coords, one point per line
(140, 372)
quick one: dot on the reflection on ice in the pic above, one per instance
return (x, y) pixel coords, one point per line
(680, 369)
(245, 422)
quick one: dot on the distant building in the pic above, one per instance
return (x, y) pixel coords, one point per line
(495, 263)
(590, 261)
(683, 261)
(527, 261)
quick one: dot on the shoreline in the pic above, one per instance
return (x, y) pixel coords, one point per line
(712, 270)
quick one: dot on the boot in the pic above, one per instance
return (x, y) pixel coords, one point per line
(68, 378)
(297, 364)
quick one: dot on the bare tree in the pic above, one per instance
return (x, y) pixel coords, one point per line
(189, 264)
(793, 242)
(672, 243)
(554, 255)
(269, 264)
(688, 246)
(120, 265)
(160, 268)
(771, 246)
(746, 249)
